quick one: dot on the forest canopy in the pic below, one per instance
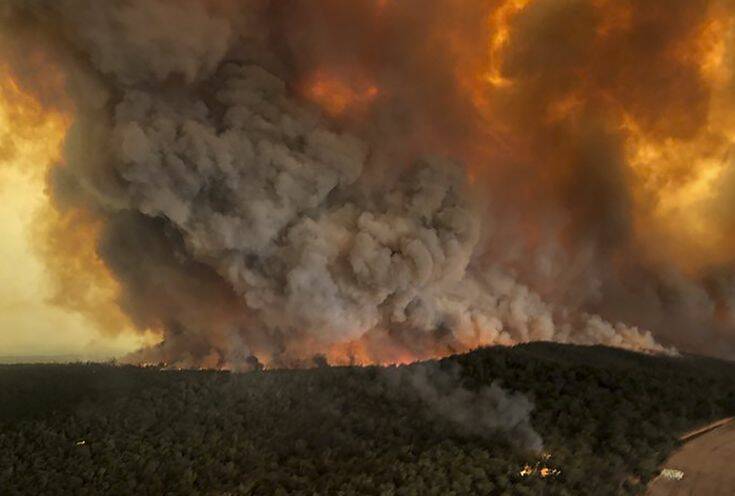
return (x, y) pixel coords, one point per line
(607, 418)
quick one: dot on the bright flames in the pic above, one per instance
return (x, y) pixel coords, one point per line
(540, 469)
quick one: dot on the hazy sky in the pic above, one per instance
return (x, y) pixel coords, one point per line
(29, 324)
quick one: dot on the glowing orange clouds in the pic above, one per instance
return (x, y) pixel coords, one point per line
(57, 296)
(499, 28)
(337, 96)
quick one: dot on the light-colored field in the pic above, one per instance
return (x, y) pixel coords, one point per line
(708, 463)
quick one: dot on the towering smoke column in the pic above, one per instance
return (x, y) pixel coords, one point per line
(381, 181)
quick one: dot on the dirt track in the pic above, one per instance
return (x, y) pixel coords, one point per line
(708, 463)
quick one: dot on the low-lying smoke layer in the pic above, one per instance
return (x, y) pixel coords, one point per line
(382, 181)
(483, 412)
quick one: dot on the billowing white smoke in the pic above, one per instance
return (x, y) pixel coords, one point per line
(271, 198)
(321, 241)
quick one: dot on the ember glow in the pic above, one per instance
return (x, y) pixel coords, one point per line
(336, 96)
(384, 181)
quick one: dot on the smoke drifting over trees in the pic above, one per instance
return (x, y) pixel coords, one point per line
(481, 413)
(609, 419)
(381, 181)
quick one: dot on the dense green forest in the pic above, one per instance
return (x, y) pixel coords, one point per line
(607, 418)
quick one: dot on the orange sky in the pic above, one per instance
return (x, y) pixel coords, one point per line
(30, 324)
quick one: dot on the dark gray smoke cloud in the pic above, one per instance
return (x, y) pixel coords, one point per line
(241, 219)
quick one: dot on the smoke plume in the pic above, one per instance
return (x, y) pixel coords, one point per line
(389, 180)
(484, 412)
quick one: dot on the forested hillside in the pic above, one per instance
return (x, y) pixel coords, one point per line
(607, 418)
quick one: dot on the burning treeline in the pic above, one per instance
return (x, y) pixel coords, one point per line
(381, 181)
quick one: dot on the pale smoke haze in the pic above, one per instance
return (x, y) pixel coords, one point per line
(483, 412)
